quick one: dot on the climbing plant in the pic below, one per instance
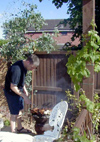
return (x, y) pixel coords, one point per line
(90, 54)
(93, 107)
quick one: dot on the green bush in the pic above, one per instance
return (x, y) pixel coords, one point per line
(6, 122)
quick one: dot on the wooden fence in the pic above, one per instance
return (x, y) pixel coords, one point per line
(3, 70)
(83, 122)
(50, 79)
(97, 82)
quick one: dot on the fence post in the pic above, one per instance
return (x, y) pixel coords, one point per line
(88, 83)
(32, 93)
(88, 15)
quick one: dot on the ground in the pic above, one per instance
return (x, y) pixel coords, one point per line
(27, 121)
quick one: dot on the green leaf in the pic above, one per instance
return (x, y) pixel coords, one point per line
(90, 106)
(76, 87)
(94, 45)
(97, 68)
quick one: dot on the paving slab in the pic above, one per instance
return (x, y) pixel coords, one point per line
(6, 128)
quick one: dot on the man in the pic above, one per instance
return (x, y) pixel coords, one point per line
(15, 90)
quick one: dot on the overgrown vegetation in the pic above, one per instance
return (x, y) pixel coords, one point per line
(18, 44)
(2, 42)
(74, 8)
(77, 70)
(75, 107)
(89, 54)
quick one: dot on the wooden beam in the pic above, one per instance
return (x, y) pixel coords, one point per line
(53, 52)
(88, 14)
(32, 89)
(47, 88)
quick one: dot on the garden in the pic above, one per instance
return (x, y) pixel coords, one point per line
(84, 124)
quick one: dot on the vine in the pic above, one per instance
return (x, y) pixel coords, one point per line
(73, 133)
(88, 54)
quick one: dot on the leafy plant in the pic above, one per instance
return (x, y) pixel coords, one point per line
(45, 43)
(14, 30)
(78, 138)
(92, 107)
(18, 43)
(76, 65)
(2, 42)
(73, 133)
(6, 122)
(83, 102)
(74, 9)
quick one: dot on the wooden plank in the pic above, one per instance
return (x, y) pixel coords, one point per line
(95, 80)
(32, 89)
(47, 88)
(88, 83)
(35, 100)
(52, 72)
(97, 91)
(81, 118)
(55, 100)
(88, 14)
(50, 100)
(55, 69)
(38, 76)
(34, 80)
(53, 52)
(45, 99)
(48, 72)
(41, 72)
(39, 102)
(83, 122)
(98, 80)
(32, 96)
(42, 99)
(45, 72)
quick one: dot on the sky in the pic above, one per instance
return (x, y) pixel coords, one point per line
(46, 8)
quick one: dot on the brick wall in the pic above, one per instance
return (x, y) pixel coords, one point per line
(61, 39)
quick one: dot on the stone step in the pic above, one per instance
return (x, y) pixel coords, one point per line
(6, 128)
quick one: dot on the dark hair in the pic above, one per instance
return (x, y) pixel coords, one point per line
(33, 59)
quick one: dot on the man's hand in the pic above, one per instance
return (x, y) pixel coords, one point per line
(25, 90)
(18, 92)
(27, 100)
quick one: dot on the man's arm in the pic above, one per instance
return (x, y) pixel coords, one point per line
(25, 90)
(15, 89)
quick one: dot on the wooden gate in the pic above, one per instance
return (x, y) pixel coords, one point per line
(50, 80)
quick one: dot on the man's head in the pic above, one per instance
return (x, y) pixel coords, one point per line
(31, 62)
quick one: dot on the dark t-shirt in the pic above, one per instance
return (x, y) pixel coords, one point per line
(15, 75)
